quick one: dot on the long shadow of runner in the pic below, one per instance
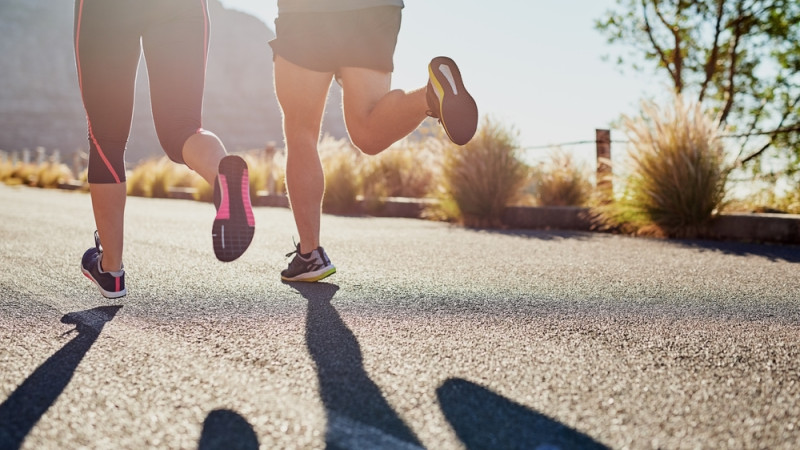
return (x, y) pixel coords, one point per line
(226, 430)
(484, 419)
(358, 414)
(26, 405)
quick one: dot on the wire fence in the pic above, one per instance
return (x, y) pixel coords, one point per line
(600, 142)
(776, 132)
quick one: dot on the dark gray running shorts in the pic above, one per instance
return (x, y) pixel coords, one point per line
(327, 41)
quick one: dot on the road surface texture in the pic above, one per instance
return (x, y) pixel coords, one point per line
(429, 336)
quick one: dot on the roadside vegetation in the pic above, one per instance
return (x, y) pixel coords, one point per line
(741, 62)
(560, 180)
(673, 180)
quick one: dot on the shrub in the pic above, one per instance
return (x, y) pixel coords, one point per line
(481, 178)
(404, 170)
(155, 177)
(22, 173)
(51, 174)
(675, 179)
(140, 179)
(6, 169)
(267, 173)
(561, 181)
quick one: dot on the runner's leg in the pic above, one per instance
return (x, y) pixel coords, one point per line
(302, 94)
(377, 117)
(176, 52)
(107, 56)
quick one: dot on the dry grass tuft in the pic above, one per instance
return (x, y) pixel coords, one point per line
(561, 181)
(20, 174)
(404, 170)
(267, 173)
(481, 178)
(675, 180)
(155, 177)
(51, 175)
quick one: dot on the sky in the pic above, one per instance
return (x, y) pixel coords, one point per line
(536, 67)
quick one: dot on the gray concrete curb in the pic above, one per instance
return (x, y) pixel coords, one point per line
(750, 227)
(775, 228)
(548, 217)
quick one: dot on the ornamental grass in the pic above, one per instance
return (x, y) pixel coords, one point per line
(482, 177)
(561, 181)
(674, 179)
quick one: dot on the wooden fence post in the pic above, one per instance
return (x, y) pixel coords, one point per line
(603, 142)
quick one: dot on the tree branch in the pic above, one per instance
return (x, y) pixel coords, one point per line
(662, 56)
(711, 62)
(732, 69)
(751, 131)
(779, 129)
(677, 56)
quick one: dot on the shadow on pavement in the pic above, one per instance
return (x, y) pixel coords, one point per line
(772, 252)
(225, 429)
(26, 405)
(538, 234)
(358, 415)
(484, 419)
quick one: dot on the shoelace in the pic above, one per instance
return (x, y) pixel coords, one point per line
(296, 248)
(97, 244)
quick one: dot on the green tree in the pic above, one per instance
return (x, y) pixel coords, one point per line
(740, 58)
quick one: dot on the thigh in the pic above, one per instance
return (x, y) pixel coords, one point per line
(107, 52)
(301, 94)
(175, 51)
(107, 57)
(361, 91)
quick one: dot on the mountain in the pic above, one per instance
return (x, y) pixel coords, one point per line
(40, 102)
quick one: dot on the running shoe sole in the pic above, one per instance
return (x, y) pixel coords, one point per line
(310, 277)
(234, 224)
(458, 111)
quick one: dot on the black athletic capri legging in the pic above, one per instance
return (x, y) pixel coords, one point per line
(109, 38)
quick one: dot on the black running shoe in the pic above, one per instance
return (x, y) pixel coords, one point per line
(111, 284)
(450, 102)
(234, 224)
(311, 267)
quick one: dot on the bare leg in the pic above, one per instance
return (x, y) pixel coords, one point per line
(302, 94)
(377, 117)
(202, 153)
(108, 203)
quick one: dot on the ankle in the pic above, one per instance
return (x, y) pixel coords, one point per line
(109, 268)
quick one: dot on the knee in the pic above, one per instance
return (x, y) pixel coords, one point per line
(173, 137)
(368, 145)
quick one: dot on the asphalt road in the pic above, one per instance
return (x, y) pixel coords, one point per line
(428, 336)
